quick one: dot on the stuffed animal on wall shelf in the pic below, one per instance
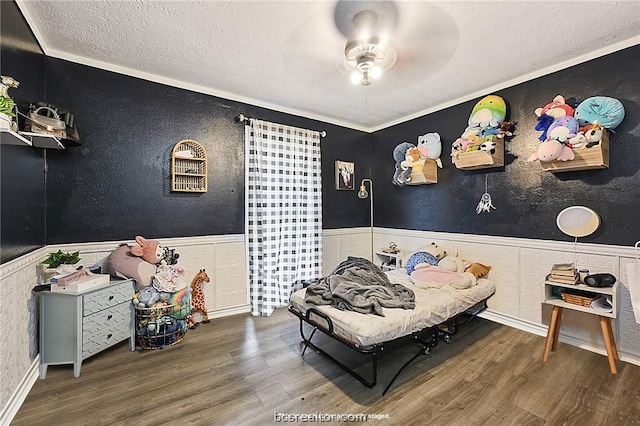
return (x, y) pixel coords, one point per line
(401, 175)
(429, 146)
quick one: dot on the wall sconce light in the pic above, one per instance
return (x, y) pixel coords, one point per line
(362, 194)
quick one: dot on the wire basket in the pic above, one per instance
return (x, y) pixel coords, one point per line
(161, 325)
(578, 299)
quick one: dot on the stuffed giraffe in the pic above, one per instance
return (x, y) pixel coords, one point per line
(198, 309)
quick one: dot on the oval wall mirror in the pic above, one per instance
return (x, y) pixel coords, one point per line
(578, 221)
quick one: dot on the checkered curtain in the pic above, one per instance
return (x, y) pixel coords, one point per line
(283, 211)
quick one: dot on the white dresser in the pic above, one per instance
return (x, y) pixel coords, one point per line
(74, 327)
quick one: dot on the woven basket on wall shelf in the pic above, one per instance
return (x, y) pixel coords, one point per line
(188, 167)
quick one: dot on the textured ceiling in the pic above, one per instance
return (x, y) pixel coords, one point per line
(289, 55)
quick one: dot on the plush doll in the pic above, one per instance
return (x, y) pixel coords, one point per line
(550, 150)
(489, 147)
(122, 264)
(149, 250)
(412, 158)
(428, 255)
(401, 176)
(506, 128)
(578, 141)
(556, 108)
(478, 269)
(488, 112)
(170, 256)
(453, 263)
(544, 121)
(146, 297)
(550, 112)
(608, 112)
(420, 259)
(592, 134)
(181, 302)
(563, 128)
(429, 146)
(169, 278)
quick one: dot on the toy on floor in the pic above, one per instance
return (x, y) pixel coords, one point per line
(198, 310)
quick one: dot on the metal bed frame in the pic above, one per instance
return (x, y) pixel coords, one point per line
(426, 339)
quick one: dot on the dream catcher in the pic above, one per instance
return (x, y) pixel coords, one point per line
(485, 204)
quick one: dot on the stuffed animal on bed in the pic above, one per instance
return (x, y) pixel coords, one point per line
(453, 263)
(436, 277)
(479, 270)
(428, 255)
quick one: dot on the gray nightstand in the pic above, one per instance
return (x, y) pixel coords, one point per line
(74, 327)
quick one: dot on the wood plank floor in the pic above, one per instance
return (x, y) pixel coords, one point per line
(241, 370)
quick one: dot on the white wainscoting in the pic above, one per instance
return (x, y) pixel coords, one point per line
(519, 266)
(518, 269)
(223, 257)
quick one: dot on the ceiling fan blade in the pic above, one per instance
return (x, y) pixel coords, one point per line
(386, 15)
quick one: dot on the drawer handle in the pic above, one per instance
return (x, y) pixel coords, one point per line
(109, 317)
(109, 336)
(111, 297)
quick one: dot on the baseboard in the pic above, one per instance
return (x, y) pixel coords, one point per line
(227, 312)
(10, 410)
(541, 330)
(518, 323)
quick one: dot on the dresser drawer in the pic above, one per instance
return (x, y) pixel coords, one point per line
(109, 296)
(105, 328)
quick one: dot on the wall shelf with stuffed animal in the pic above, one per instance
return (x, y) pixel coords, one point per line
(417, 164)
(481, 145)
(575, 135)
(188, 167)
(585, 158)
(424, 174)
(490, 154)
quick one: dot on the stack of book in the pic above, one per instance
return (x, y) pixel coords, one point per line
(563, 273)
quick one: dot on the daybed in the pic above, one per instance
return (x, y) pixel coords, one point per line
(437, 314)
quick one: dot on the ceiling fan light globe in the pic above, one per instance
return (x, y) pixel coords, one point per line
(375, 73)
(356, 77)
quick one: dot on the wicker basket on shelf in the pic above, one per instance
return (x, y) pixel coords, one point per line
(578, 299)
(161, 325)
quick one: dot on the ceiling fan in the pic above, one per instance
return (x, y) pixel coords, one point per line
(368, 27)
(416, 39)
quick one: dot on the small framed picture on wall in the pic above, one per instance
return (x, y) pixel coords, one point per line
(344, 175)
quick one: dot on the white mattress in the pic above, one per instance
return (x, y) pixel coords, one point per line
(433, 306)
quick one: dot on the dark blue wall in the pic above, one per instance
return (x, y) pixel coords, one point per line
(117, 184)
(22, 188)
(526, 198)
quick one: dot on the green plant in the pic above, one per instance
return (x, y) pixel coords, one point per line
(6, 106)
(60, 258)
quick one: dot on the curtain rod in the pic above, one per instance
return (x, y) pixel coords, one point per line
(242, 118)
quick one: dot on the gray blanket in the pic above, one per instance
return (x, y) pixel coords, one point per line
(360, 286)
